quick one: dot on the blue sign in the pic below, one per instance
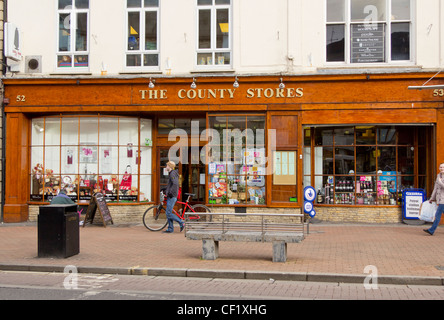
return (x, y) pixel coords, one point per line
(412, 200)
(308, 206)
(312, 214)
(309, 194)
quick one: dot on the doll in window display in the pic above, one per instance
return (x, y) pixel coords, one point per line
(37, 179)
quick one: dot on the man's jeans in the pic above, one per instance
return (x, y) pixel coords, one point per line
(170, 215)
(438, 215)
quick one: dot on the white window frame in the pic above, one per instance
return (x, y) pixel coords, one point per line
(213, 50)
(73, 26)
(388, 43)
(142, 14)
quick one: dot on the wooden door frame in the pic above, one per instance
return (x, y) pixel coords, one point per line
(299, 152)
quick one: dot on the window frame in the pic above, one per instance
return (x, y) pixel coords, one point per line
(213, 50)
(142, 20)
(242, 186)
(388, 22)
(313, 170)
(139, 149)
(73, 12)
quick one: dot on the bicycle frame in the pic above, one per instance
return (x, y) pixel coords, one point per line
(182, 214)
(155, 218)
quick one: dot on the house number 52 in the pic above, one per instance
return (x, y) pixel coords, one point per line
(21, 98)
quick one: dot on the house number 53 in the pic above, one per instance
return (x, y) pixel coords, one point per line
(21, 98)
(438, 93)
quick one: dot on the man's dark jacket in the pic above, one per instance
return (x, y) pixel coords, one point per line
(172, 189)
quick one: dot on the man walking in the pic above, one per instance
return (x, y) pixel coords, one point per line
(171, 192)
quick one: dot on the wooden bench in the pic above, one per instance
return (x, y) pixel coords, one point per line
(278, 229)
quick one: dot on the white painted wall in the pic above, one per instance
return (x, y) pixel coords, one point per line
(281, 36)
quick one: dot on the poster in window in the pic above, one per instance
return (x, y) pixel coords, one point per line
(88, 153)
(106, 160)
(368, 43)
(284, 168)
(69, 156)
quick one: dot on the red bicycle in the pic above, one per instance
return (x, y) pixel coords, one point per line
(155, 218)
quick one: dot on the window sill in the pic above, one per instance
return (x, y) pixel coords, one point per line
(69, 73)
(139, 71)
(357, 205)
(86, 203)
(213, 70)
(370, 68)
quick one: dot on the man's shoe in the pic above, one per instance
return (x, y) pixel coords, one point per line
(166, 231)
(427, 231)
(182, 227)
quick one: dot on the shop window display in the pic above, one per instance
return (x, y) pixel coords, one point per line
(236, 164)
(86, 155)
(365, 165)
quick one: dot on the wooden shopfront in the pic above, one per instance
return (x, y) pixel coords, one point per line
(251, 147)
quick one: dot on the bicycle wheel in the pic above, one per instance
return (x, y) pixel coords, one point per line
(200, 210)
(155, 219)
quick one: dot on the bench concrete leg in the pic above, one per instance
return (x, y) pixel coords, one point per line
(279, 251)
(210, 249)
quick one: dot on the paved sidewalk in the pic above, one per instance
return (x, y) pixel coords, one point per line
(402, 254)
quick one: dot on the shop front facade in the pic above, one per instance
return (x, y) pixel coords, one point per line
(246, 144)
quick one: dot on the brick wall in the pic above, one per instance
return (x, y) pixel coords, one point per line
(383, 215)
(359, 214)
(120, 214)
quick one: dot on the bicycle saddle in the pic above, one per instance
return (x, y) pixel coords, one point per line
(189, 194)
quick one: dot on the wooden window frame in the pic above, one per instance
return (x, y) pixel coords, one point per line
(416, 176)
(136, 155)
(208, 175)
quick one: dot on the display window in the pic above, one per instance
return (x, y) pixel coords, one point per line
(237, 160)
(90, 154)
(365, 165)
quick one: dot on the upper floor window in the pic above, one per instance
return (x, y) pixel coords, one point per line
(368, 31)
(73, 29)
(142, 48)
(214, 33)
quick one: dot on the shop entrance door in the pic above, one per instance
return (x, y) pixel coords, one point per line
(191, 173)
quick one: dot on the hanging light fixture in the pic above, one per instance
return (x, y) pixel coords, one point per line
(193, 84)
(151, 84)
(236, 83)
(282, 84)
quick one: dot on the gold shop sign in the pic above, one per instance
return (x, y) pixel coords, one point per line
(200, 94)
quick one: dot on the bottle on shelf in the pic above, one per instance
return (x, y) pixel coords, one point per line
(320, 197)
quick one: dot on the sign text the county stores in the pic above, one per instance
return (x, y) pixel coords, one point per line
(192, 94)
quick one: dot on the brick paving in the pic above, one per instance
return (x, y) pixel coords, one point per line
(396, 250)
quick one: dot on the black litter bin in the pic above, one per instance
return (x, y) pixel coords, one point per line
(58, 231)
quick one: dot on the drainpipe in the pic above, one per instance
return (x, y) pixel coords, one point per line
(3, 146)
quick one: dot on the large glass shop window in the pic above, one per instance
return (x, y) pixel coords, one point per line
(364, 165)
(236, 161)
(86, 155)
